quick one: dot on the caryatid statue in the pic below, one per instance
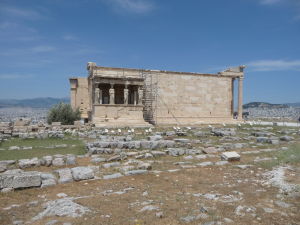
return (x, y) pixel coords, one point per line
(112, 95)
(97, 92)
(140, 93)
(125, 95)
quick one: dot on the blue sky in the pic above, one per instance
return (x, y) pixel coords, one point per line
(44, 42)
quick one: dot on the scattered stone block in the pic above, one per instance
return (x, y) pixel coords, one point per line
(135, 172)
(5, 164)
(170, 133)
(175, 151)
(6, 190)
(98, 160)
(64, 207)
(221, 163)
(109, 165)
(286, 138)
(200, 156)
(46, 176)
(200, 134)
(210, 150)
(46, 160)
(274, 141)
(148, 155)
(145, 166)
(224, 132)
(126, 168)
(159, 214)
(243, 166)
(155, 138)
(28, 163)
(149, 208)
(65, 175)
(182, 140)
(48, 183)
(58, 162)
(205, 164)
(71, 160)
(262, 139)
(158, 153)
(189, 157)
(18, 222)
(114, 158)
(20, 179)
(112, 176)
(283, 204)
(230, 156)
(82, 173)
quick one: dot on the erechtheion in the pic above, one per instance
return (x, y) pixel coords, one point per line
(115, 97)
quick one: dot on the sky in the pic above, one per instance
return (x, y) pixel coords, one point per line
(44, 42)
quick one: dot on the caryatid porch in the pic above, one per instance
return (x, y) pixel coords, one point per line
(117, 101)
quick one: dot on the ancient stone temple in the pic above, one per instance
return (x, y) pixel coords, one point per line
(112, 97)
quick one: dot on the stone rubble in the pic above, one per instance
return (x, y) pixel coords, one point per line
(116, 156)
(62, 207)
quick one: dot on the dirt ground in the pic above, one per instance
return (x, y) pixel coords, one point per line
(177, 190)
(175, 197)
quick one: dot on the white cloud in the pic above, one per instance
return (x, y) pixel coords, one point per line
(270, 2)
(8, 25)
(274, 65)
(42, 48)
(15, 76)
(31, 51)
(294, 4)
(14, 12)
(69, 37)
(17, 31)
(133, 6)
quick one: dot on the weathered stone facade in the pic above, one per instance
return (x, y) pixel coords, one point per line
(112, 97)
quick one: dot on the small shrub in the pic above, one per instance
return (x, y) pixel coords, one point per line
(63, 113)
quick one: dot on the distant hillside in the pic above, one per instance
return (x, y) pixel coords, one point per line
(297, 104)
(264, 105)
(33, 103)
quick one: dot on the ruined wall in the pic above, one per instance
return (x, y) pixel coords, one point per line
(80, 95)
(118, 115)
(190, 99)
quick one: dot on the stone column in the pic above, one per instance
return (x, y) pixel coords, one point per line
(134, 97)
(240, 99)
(100, 96)
(96, 99)
(141, 93)
(232, 94)
(111, 94)
(126, 95)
